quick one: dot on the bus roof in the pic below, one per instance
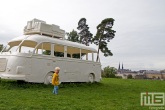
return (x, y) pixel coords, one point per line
(41, 38)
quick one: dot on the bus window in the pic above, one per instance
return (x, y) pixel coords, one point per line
(25, 49)
(58, 50)
(84, 56)
(27, 46)
(94, 56)
(44, 49)
(73, 52)
(13, 48)
(90, 56)
(6, 48)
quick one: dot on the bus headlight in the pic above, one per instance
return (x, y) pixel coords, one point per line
(8, 69)
(20, 69)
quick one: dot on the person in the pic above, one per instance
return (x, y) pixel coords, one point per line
(55, 80)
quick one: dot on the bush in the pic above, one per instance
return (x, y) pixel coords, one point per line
(109, 72)
(129, 76)
(112, 76)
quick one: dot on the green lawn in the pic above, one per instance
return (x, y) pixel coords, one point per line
(109, 94)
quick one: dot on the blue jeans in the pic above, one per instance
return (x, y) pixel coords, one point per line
(55, 90)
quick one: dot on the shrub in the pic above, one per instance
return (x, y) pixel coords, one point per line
(109, 72)
(112, 75)
(129, 76)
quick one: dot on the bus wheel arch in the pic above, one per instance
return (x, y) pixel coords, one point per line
(48, 78)
(91, 77)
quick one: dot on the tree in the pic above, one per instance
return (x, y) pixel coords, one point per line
(109, 72)
(85, 34)
(1, 47)
(103, 36)
(129, 76)
(73, 36)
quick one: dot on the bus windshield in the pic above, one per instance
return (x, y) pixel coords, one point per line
(26, 46)
(9, 48)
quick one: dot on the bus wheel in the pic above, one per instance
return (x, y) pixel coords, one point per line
(48, 78)
(91, 78)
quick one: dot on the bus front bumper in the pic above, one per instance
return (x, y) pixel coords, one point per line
(12, 77)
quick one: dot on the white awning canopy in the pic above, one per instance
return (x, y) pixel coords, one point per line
(33, 40)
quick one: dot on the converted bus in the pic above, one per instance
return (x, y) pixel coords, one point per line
(31, 57)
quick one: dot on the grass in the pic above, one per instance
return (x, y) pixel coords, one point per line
(109, 94)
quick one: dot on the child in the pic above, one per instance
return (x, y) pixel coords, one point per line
(55, 80)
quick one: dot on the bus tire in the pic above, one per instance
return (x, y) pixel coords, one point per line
(48, 78)
(91, 77)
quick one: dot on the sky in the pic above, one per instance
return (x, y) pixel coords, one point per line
(139, 24)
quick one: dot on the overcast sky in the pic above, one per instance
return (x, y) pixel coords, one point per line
(139, 24)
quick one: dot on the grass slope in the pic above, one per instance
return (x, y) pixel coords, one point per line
(109, 94)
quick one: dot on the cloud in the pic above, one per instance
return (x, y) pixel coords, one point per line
(6, 34)
(139, 25)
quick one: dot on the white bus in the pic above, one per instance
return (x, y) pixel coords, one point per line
(33, 57)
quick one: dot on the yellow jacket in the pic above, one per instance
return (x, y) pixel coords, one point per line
(55, 79)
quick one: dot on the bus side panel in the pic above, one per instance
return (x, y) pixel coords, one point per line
(72, 70)
(75, 70)
(40, 65)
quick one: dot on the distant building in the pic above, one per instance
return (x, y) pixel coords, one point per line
(142, 71)
(125, 72)
(153, 74)
(121, 70)
(141, 74)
